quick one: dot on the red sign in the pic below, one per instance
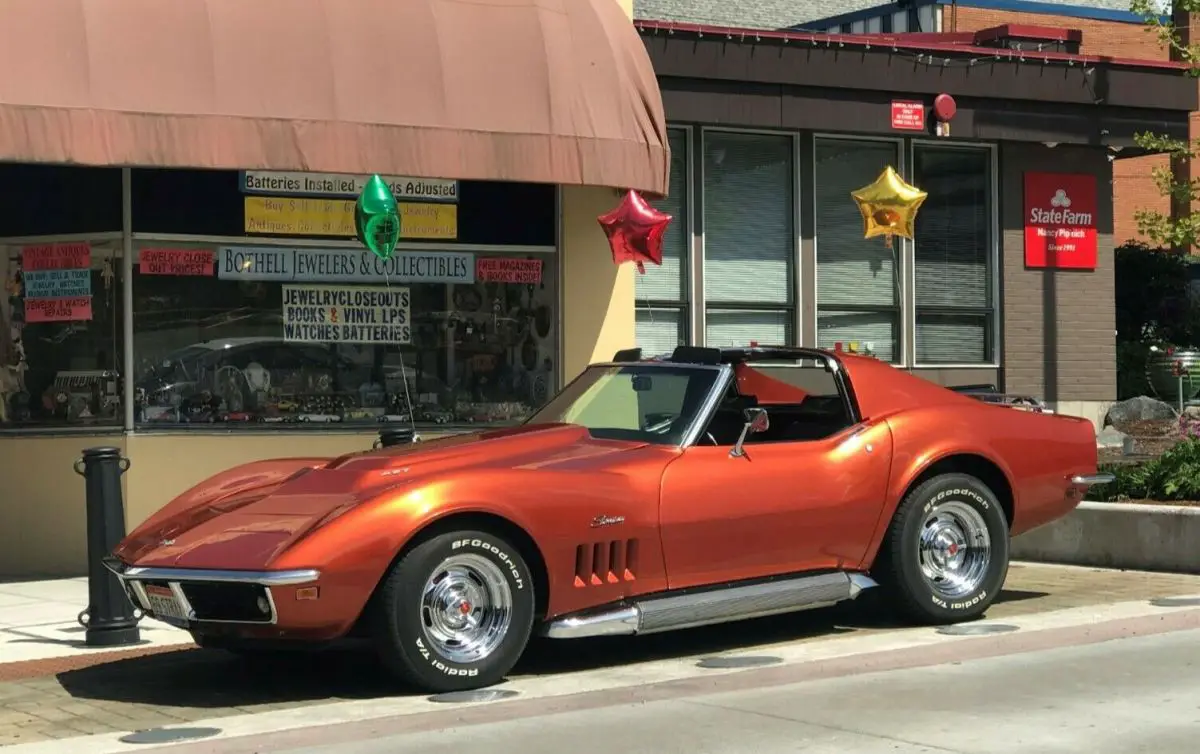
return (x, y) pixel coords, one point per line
(57, 256)
(176, 261)
(909, 116)
(1060, 221)
(501, 270)
(58, 309)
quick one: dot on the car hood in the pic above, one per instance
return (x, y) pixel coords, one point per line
(245, 518)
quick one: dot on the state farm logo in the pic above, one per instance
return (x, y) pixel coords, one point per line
(1060, 212)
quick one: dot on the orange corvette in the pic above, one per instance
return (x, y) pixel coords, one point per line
(649, 495)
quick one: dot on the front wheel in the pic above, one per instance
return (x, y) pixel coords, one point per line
(455, 612)
(945, 556)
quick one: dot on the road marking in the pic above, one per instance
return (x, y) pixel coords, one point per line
(624, 677)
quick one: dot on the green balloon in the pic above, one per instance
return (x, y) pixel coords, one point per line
(377, 219)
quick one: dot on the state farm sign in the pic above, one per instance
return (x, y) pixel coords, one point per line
(1060, 221)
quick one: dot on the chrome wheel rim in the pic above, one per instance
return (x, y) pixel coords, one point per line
(955, 549)
(466, 608)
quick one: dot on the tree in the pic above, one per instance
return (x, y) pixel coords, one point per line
(1180, 228)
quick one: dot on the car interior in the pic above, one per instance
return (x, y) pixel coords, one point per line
(814, 410)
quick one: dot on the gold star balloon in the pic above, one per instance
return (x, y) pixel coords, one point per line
(889, 206)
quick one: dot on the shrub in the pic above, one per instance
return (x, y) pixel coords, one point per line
(1173, 476)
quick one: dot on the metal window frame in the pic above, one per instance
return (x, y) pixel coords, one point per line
(903, 252)
(994, 311)
(686, 286)
(700, 303)
(104, 237)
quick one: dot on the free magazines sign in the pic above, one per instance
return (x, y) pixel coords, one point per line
(1060, 221)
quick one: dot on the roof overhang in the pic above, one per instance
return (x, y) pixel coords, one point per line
(547, 91)
(836, 82)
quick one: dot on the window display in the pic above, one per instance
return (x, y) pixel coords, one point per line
(322, 336)
(60, 334)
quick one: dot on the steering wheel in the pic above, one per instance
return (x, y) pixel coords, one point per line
(709, 436)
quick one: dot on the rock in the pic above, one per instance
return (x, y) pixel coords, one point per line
(1111, 437)
(1143, 416)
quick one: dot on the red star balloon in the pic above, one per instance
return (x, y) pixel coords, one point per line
(635, 231)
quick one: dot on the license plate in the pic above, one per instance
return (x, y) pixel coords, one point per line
(164, 606)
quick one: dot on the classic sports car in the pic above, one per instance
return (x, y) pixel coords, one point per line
(649, 495)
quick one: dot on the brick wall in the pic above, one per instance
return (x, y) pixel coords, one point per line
(1059, 326)
(1133, 185)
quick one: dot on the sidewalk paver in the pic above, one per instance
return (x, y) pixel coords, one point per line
(39, 621)
(178, 684)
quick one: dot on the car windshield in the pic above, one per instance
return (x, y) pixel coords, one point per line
(640, 402)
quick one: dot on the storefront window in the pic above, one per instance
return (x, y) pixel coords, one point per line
(858, 296)
(60, 334)
(749, 238)
(953, 256)
(662, 292)
(247, 335)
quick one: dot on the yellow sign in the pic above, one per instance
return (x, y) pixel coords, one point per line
(285, 216)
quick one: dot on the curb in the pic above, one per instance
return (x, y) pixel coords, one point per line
(1128, 536)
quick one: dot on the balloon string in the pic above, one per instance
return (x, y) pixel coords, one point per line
(411, 410)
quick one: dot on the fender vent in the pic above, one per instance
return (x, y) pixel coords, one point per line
(601, 563)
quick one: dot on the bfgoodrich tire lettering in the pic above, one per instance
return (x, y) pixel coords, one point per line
(944, 557)
(455, 612)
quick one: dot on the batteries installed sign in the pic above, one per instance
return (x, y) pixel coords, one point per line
(284, 183)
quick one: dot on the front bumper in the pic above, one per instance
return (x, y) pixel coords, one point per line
(185, 596)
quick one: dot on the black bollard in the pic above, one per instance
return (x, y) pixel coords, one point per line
(110, 617)
(389, 436)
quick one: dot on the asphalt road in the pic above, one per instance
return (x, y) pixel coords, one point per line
(1122, 696)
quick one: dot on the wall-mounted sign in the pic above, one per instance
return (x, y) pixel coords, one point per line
(287, 216)
(176, 261)
(505, 270)
(57, 256)
(346, 314)
(277, 182)
(57, 283)
(287, 264)
(1060, 221)
(76, 309)
(57, 280)
(908, 115)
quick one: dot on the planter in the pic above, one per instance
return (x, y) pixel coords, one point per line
(1118, 535)
(1164, 383)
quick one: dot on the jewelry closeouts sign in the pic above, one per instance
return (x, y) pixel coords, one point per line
(284, 264)
(1060, 221)
(57, 282)
(346, 314)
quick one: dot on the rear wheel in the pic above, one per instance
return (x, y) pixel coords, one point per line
(945, 556)
(455, 612)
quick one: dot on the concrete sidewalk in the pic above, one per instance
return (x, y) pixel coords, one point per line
(39, 622)
(53, 687)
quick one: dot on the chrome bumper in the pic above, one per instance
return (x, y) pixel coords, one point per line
(134, 579)
(1087, 480)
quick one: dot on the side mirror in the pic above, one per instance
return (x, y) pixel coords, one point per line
(756, 421)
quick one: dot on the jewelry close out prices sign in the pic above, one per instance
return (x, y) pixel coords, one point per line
(1060, 221)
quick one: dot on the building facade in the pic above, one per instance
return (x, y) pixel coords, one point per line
(772, 131)
(181, 276)
(1106, 28)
